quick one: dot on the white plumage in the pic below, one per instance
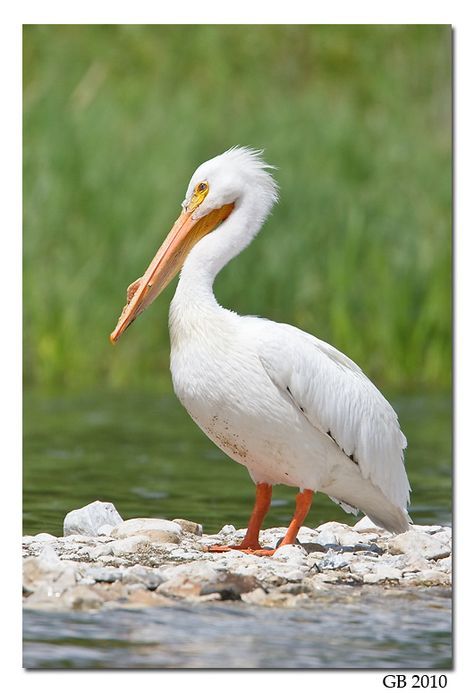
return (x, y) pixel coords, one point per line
(288, 406)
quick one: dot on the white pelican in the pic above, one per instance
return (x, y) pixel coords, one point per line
(286, 405)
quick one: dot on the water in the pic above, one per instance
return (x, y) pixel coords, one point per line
(344, 631)
(145, 455)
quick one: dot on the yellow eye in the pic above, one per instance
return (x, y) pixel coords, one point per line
(200, 192)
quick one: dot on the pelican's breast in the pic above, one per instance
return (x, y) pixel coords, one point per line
(219, 379)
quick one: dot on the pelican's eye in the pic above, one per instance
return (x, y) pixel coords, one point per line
(200, 192)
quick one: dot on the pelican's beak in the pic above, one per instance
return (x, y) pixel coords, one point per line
(167, 262)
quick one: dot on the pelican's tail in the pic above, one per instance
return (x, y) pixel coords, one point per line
(368, 498)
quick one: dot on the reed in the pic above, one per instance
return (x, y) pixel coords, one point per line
(357, 120)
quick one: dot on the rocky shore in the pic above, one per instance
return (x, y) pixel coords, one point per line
(103, 561)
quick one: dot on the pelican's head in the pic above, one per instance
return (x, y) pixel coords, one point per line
(227, 178)
(216, 189)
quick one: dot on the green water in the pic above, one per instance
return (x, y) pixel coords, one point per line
(144, 454)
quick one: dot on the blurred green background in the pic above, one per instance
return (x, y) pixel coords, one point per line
(356, 118)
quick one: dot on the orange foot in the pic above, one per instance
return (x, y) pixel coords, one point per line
(253, 550)
(264, 552)
(245, 548)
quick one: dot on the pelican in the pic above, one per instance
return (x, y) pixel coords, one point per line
(288, 406)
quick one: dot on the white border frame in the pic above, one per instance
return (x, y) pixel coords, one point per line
(244, 12)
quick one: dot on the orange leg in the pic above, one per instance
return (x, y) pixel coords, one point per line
(250, 541)
(303, 504)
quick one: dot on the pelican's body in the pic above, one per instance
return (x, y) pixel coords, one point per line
(223, 374)
(289, 407)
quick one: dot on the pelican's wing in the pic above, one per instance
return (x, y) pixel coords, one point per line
(339, 400)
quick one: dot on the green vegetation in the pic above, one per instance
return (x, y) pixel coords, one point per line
(358, 252)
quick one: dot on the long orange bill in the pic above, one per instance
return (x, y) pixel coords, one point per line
(167, 262)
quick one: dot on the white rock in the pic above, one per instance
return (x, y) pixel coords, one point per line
(49, 559)
(101, 550)
(343, 535)
(77, 539)
(365, 524)
(432, 575)
(103, 574)
(350, 538)
(289, 572)
(241, 563)
(90, 518)
(406, 562)
(156, 530)
(291, 553)
(82, 598)
(383, 572)
(333, 527)
(427, 529)
(128, 545)
(65, 579)
(86, 581)
(257, 596)
(333, 561)
(210, 540)
(307, 535)
(47, 572)
(187, 579)
(363, 566)
(185, 554)
(114, 561)
(444, 536)
(444, 564)
(44, 537)
(105, 530)
(419, 543)
(228, 529)
(167, 546)
(196, 572)
(329, 532)
(368, 537)
(327, 538)
(189, 526)
(142, 575)
(41, 598)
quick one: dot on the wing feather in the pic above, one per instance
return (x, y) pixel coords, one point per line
(339, 400)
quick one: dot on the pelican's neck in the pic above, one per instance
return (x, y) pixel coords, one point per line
(194, 291)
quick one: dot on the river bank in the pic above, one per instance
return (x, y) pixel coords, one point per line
(102, 562)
